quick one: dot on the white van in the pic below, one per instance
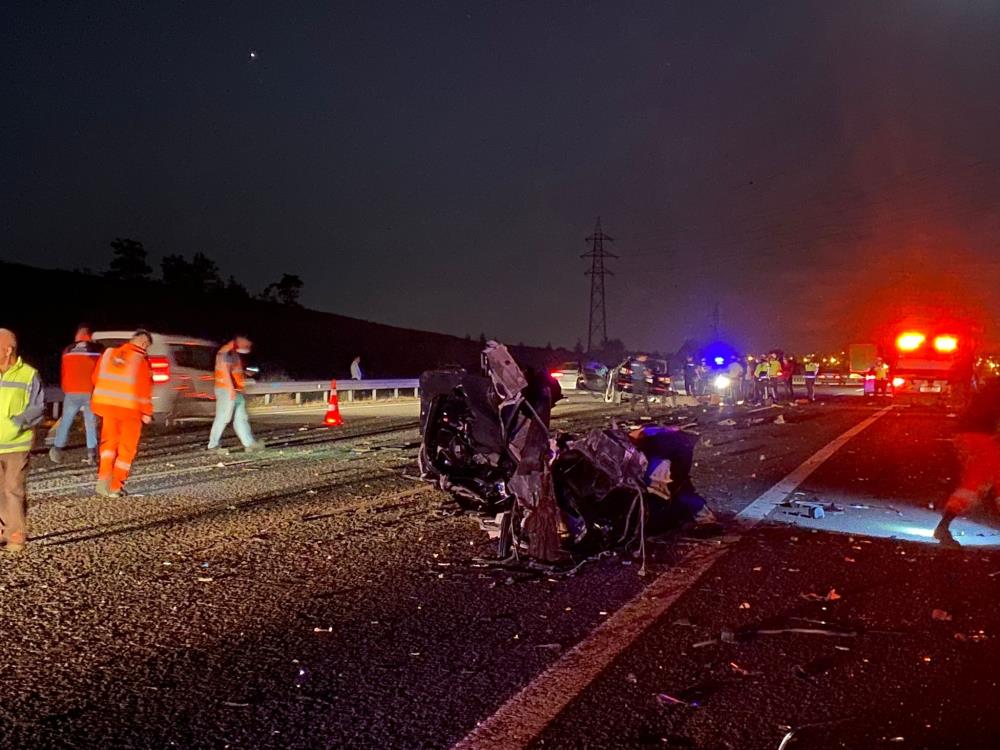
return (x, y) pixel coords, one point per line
(183, 373)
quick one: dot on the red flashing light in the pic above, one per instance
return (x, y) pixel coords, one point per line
(898, 382)
(910, 341)
(946, 344)
(161, 369)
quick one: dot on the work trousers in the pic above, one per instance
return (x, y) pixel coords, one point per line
(73, 403)
(810, 388)
(230, 407)
(980, 455)
(13, 478)
(119, 444)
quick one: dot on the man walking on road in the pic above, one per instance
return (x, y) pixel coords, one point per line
(79, 360)
(979, 448)
(123, 398)
(22, 406)
(230, 402)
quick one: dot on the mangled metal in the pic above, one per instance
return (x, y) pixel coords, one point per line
(486, 439)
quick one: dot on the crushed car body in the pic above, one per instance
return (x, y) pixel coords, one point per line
(486, 440)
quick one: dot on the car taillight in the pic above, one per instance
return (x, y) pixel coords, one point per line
(556, 373)
(898, 382)
(946, 343)
(910, 341)
(161, 369)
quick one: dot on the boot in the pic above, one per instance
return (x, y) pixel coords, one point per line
(943, 534)
(91, 456)
(55, 455)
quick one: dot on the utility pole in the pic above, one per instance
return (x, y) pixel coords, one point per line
(598, 318)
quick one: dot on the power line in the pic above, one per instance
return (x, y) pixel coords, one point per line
(597, 272)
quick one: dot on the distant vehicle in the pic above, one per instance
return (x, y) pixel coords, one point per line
(619, 382)
(860, 358)
(183, 373)
(592, 376)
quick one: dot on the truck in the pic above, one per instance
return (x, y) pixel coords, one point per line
(932, 361)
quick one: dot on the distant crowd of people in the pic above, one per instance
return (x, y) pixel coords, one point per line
(755, 379)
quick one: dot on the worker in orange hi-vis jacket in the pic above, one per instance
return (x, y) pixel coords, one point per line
(123, 398)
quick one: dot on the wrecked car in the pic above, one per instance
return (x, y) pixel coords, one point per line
(486, 439)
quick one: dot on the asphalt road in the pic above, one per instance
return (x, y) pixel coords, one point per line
(319, 596)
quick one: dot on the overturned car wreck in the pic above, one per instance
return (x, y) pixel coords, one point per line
(486, 440)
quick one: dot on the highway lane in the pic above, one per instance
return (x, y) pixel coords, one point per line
(315, 595)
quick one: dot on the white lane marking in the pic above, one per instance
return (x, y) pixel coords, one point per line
(526, 714)
(759, 508)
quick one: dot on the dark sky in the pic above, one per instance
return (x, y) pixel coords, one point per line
(438, 164)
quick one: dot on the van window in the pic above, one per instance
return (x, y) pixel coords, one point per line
(193, 357)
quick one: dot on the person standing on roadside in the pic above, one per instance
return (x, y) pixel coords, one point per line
(811, 373)
(773, 377)
(640, 385)
(22, 406)
(789, 369)
(356, 373)
(230, 401)
(123, 398)
(79, 360)
(690, 376)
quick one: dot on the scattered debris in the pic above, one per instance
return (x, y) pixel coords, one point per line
(780, 419)
(940, 615)
(831, 596)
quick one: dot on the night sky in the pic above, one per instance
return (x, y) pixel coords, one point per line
(438, 164)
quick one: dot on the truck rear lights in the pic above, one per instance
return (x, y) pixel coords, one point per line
(910, 341)
(946, 344)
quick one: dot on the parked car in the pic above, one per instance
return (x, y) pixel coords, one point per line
(571, 376)
(183, 373)
(619, 381)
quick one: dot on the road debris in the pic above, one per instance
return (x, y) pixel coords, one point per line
(940, 615)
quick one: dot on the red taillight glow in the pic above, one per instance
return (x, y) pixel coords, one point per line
(946, 343)
(556, 373)
(910, 341)
(161, 369)
(898, 382)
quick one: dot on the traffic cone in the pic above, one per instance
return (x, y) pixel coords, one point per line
(333, 418)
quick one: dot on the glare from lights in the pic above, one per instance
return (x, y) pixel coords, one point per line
(721, 382)
(898, 382)
(946, 343)
(720, 360)
(910, 341)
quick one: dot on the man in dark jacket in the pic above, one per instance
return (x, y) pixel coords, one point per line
(979, 448)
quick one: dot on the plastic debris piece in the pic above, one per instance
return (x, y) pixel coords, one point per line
(323, 630)
(780, 419)
(745, 605)
(205, 579)
(940, 615)
(669, 700)
(728, 422)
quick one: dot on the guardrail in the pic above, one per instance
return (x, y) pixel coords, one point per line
(298, 388)
(295, 388)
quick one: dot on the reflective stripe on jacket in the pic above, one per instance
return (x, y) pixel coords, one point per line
(22, 406)
(229, 369)
(123, 381)
(812, 369)
(79, 360)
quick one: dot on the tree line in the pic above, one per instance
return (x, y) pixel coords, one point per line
(199, 275)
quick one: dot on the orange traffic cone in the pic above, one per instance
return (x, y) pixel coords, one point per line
(333, 418)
